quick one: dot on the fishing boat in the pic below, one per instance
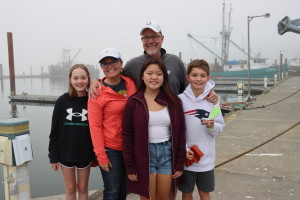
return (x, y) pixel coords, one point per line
(237, 68)
(294, 66)
(61, 69)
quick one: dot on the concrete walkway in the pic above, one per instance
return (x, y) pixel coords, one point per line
(271, 172)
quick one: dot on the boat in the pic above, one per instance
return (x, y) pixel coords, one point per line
(294, 66)
(238, 68)
(61, 69)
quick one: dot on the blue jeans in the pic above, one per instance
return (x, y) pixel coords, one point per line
(114, 180)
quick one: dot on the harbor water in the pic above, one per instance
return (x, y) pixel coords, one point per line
(43, 180)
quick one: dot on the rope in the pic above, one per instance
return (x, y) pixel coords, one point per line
(263, 106)
(256, 147)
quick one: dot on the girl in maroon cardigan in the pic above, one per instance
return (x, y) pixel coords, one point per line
(153, 136)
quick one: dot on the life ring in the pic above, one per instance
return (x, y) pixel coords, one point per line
(242, 66)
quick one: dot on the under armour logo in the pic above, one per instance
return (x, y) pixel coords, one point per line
(77, 114)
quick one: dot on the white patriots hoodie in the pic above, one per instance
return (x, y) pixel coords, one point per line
(197, 134)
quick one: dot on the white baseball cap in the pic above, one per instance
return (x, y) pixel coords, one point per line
(110, 52)
(152, 25)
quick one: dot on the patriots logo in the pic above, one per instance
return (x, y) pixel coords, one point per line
(199, 113)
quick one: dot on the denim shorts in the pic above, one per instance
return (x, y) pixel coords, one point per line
(161, 157)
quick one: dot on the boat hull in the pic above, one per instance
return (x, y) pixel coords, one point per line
(268, 72)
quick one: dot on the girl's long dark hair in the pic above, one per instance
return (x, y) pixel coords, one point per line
(165, 86)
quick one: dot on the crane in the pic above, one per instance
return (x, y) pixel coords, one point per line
(193, 38)
(72, 60)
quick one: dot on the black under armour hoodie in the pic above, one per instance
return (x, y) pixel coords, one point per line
(70, 139)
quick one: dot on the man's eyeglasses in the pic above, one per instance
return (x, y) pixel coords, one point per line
(153, 37)
(113, 64)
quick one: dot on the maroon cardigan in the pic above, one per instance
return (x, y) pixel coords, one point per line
(135, 140)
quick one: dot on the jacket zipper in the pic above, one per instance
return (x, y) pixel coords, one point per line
(147, 143)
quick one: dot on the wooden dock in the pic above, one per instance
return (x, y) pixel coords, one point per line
(223, 85)
(49, 100)
(44, 99)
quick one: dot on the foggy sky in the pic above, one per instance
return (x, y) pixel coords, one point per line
(42, 28)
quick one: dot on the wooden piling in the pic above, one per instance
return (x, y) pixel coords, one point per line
(1, 72)
(280, 67)
(11, 64)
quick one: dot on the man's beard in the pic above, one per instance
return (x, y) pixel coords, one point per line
(152, 52)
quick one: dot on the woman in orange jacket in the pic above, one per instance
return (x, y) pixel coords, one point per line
(105, 119)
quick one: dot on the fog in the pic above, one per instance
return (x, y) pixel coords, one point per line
(42, 28)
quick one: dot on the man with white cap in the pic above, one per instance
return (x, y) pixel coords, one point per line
(152, 39)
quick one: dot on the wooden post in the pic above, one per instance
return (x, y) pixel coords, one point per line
(13, 174)
(1, 72)
(15, 153)
(42, 71)
(1, 77)
(285, 67)
(216, 67)
(11, 64)
(280, 67)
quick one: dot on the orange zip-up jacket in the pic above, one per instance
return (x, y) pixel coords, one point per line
(105, 119)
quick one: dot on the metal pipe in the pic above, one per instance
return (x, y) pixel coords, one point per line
(249, 18)
(249, 86)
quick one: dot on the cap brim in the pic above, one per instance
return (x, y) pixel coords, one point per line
(153, 29)
(116, 57)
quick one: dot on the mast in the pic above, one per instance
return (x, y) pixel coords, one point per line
(228, 35)
(225, 33)
(222, 35)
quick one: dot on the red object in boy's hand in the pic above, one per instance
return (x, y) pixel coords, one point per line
(197, 155)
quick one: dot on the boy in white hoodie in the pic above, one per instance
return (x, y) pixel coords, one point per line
(199, 135)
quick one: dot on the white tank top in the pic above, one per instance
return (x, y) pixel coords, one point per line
(159, 126)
